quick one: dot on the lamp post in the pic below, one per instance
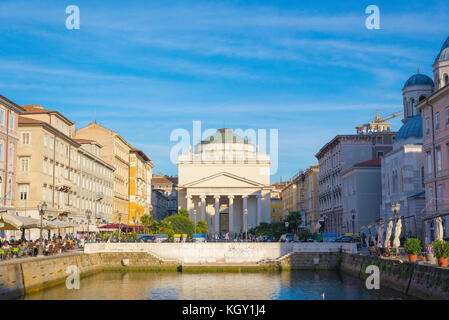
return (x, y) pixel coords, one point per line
(194, 214)
(42, 207)
(134, 223)
(395, 207)
(353, 220)
(246, 224)
(100, 197)
(119, 227)
(88, 214)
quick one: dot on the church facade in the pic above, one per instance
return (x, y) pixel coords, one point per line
(225, 181)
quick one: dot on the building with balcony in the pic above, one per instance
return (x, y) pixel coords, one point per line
(54, 167)
(9, 141)
(434, 110)
(116, 152)
(337, 155)
(95, 183)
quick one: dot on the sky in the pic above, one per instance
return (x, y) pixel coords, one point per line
(310, 69)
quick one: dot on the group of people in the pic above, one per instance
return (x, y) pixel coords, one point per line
(11, 249)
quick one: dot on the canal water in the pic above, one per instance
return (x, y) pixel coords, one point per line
(294, 285)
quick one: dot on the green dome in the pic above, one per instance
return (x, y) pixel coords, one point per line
(224, 135)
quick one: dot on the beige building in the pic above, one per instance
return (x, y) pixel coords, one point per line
(226, 182)
(116, 152)
(95, 181)
(50, 168)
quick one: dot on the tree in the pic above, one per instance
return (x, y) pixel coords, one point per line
(180, 224)
(147, 222)
(294, 220)
(201, 227)
(184, 212)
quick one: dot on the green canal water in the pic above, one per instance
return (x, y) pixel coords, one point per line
(293, 285)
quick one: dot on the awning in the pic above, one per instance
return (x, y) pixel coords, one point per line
(92, 228)
(13, 222)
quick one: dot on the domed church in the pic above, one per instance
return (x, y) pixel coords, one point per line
(225, 181)
(406, 170)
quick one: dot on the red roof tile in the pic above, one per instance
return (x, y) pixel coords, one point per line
(370, 163)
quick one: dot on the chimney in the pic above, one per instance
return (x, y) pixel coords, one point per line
(37, 106)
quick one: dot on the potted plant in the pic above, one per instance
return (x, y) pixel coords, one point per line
(441, 250)
(429, 254)
(413, 248)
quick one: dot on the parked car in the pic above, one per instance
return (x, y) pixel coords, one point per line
(287, 237)
(146, 238)
(346, 239)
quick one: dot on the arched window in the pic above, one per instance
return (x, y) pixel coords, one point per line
(422, 98)
(446, 79)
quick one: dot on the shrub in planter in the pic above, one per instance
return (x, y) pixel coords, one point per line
(441, 251)
(413, 247)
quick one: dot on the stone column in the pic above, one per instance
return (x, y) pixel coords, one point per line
(245, 213)
(217, 214)
(203, 208)
(259, 209)
(231, 214)
(189, 203)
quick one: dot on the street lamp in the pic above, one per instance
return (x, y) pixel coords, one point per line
(194, 214)
(119, 227)
(100, 197)
(246, 226)
(353, 220)
(395, 207)
(88, 214)
(42, 207)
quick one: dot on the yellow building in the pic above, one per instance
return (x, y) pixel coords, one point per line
(116, 152)
(140, 173)
(290, 197)
(276, 213)
(309, 200)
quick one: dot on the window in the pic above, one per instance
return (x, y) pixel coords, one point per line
(11, 153)
(422, 177)
(1, 152)
(439, 159)
(388, 183)
(2, 117)
(437, 121)
(44, 166)
(446, 79)
(402, 179)
(45, 140)
(11, 121)
(23, 192)
(380, 154)
(25, 164)
(427, 125)
(430, 195)
(44, 193)
(429, 163)
(447, 116)
(26, 137)
(440, 194)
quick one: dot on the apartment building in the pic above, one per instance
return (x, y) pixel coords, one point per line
(167, 185)
(9, 140)
(140, 180)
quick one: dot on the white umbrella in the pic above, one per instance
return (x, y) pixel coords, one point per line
(439, 230)
(397, 234)
(388, 235)
(380, 231)
(19, 222)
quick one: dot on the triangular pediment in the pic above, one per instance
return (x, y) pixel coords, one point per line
(224, 180)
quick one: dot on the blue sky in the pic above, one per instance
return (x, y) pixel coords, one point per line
(308, 68)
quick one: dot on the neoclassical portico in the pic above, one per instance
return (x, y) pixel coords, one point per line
(225, 206)
(230, 195)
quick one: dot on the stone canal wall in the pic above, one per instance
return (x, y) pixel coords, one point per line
(417, 280)
(220, 252)
(21, 276)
